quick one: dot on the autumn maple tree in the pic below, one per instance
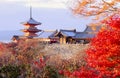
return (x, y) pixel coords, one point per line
(104, 54)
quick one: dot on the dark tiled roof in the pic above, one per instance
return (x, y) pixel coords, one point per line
(46, 34)
(53, 34)
(92, 29)
(31, 21)
(83, 35)
(68, 33)
(88, 33)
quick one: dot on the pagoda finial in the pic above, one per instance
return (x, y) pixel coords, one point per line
(30, 11)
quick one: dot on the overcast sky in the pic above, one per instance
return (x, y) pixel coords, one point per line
(53, 14)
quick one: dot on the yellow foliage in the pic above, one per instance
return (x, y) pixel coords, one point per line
(93, 6)
(83, 3)
(105, 7)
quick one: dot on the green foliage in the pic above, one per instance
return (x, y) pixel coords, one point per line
(52, 72)
(10, 71)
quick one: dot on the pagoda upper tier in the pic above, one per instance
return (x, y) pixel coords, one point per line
(30, 29)
(31, 21)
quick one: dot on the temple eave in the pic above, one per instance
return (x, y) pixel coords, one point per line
(33, 31)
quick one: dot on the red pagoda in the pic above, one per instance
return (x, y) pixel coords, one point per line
(30, 29)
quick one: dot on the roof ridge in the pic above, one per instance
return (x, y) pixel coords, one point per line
(67, 30)
(50, 30)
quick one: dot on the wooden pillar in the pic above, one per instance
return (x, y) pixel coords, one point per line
(64, 40)
(61, 40)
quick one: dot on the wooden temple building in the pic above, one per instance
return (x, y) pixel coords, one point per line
(72, 36)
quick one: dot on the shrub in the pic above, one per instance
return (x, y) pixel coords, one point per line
(10, 71)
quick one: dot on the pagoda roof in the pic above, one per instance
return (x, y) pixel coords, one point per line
(31, 30)
(31, 21)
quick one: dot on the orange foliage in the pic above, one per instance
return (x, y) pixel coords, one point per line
(95, 7)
